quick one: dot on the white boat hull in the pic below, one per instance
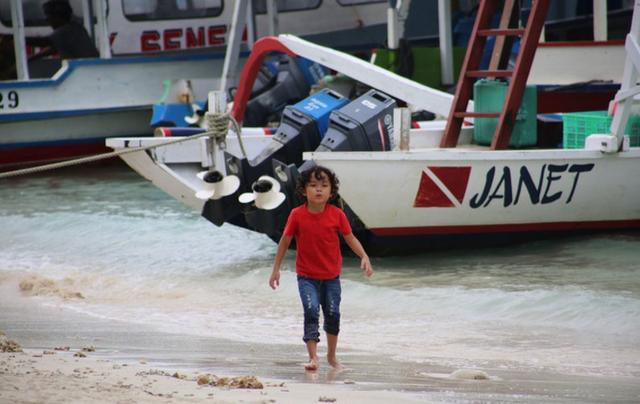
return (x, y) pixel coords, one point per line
(88, 101)
(433, 198)
(461, 191)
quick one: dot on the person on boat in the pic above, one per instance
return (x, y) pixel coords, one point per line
(315, 226)
(69, 39)
(7, 59)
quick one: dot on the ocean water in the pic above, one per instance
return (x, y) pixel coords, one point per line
(97, 250)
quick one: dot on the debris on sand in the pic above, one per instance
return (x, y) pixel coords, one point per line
(204, 379)
(240, 382)
(324, 399)
(8, 345)
(150, 372)
(469, 374)
(89, 349)
(80, 355)
(245, 382)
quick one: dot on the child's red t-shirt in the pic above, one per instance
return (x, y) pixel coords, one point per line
(318, 245)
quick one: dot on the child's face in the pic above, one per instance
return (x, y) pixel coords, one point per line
(318, 190)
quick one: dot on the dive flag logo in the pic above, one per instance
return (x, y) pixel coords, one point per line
(442, 187)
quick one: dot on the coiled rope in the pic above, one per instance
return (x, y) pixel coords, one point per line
(219, 124)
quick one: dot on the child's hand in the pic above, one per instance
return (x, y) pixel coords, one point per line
(365, 265)
(274, 280)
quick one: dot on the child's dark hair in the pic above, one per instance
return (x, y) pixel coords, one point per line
(317, 172)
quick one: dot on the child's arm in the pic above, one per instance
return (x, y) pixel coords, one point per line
(357, 248)
(283, 245)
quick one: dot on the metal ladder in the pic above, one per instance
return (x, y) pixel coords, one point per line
(469, 72)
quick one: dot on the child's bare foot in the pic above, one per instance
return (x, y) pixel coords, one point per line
(312, 365)
(333, 361)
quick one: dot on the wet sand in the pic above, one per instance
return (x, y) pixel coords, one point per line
(57, 376)
(73, 358)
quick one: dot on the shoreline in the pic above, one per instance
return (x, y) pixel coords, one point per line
(93, 375)
(58, 376)
(133, 363)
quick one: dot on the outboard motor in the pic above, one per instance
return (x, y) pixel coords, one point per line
(364, 124)
(293, 82)
(300, 130)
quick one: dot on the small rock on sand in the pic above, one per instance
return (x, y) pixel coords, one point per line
(246, 382)
(469, 374)
(240, 382)
(203, 379)
(7, 345)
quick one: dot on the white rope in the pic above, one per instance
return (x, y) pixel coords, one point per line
(219, 132)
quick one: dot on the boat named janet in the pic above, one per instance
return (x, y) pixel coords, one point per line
(407, 186)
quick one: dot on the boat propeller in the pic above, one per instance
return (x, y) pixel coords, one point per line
(266, 194)
(216, 185)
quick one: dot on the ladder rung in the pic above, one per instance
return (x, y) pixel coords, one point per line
(476, 114)
(497, 32)
(489, 73)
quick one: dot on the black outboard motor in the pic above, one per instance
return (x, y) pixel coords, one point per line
(300, 130)
(364, 124)
(293, 82)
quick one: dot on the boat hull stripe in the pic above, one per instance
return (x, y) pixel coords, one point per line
(22, 116)
(506, 228)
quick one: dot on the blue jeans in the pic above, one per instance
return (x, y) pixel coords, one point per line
(315, 294)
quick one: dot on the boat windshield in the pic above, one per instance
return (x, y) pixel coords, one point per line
(144, 10)
(260, 6)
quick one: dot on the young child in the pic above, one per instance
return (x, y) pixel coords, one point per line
(315, 225)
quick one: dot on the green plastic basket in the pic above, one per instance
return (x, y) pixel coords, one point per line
(576, 126)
